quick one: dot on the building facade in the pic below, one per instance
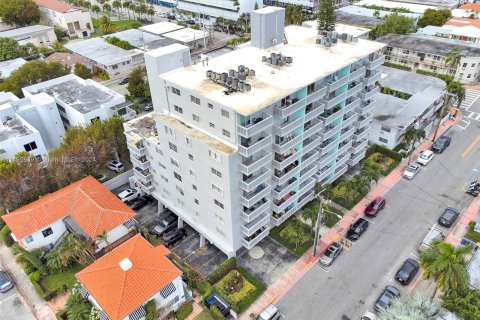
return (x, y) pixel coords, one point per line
(237, 142)
(36, 35)
(307, 5)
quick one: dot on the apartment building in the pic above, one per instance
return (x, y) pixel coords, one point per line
(427, 52)
(237, 142)
(37, 35)
(307, 5)
(208, 10)
(76, 21)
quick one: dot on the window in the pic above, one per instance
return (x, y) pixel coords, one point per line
(403, 61)
(180, 202)
(162, 166)
(196, 201)
(220, 231)
(28, 239)
(217, 189)
(386, 129)
(177, 109)
(464, 65)
(192, 173)
(219, 217)
(164, 178)
(170, 131)
(195, 99)
(387, 58)
(383, 140)
(174, 162)
(176, 91)
(389, 49)
(212, 125)
(177, 176)
(460, 75)
(179, 190)
(210, 106)
(47, 232)
(473, 65)
(405, 52)
(188, 141)
(38, 158)
(172, 146)
(218, 203)
(195, 117)
(225, 114)
(114, 66)
(216, 172)
(194, 187)
(30, 146)
(437, 58)
(215, 156)
(226, 133)
(469, 76)
(433, 68)
(190, 157)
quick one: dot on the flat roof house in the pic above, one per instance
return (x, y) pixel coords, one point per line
(86, 208)
(37, 35)
(8, 66)
(121, 282)
(140, 39)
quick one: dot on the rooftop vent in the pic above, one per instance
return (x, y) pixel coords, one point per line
(329, 38)
(277, 59)
(233, 80)
(126, 264)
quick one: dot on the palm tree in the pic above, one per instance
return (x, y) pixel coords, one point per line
(117, 4)
(411, 306)
(411, 137)
(457, 89)
(453, 58)
(371, 172)
(79, 311)
(54, 261)
(103, 237)
(310, 213)
(133, 8)
(74, 249)
(106, 8)
(447, 265)
(96, 9)
(150, 12)
(350, 187)
(106, 25)
(126, 5)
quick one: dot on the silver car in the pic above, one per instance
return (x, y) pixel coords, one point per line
(411, 171)
(331, 254)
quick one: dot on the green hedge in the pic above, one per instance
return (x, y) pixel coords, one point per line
(6, 237)
(61, 315)
(254, 295)
(216, 314)
(444, 77)
(150, 310)
(397, 66)
(383, 150)
(222, 270)
(472, 234)
(40, 290)
(184, 310)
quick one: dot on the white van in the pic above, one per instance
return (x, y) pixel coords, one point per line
(270, 313)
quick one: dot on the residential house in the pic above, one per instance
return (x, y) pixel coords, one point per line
(86, 208)
(466, 33)
(140, 39)
(67, 59)
(37, 35)
(370, 15)
(8, 66)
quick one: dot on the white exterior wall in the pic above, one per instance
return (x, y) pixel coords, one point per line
(113, 235)
(69, 19)
(218, 8)
(39, 38)
(376, 133)
(116, 69)
(58, 228)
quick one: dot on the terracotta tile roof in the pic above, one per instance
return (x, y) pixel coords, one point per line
(462, 22)
(67, 59)
(54, 5)
(471, 6)
(87, 201)
(119, 292)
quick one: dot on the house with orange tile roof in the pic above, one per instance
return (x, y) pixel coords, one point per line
(86, 208)
(121, 282)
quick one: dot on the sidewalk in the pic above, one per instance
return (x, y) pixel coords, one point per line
(470, 214)
(302, 265)
(36, 305)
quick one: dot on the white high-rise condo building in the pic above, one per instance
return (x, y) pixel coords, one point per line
(237, 142)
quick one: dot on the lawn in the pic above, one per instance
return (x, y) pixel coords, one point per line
(54, 282)
(339, 197)
(472, 235)
(302, 247)
(121, 25)
(204, 315)
(332, 219)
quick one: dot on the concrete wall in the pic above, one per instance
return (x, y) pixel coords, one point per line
(67, 21)
(39, 38)
(58, 228)
(118, 180)
(113, 235)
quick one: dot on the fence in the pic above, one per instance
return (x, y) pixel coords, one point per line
(118, 180)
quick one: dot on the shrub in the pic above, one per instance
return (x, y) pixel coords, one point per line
(383, 150)
(184, 310)
(396, 66)
(6, 237)
(222, 270)
(255, 294)
(34, 276)
(216, 314)
(40, 290)
(150, 310)
(61, 315)
(120, 43)
(445, 77)
(234, 288)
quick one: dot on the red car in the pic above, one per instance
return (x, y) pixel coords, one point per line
(375, 206)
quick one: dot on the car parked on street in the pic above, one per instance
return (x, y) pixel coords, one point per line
(386, 297)
(169, 223)
(116, 166)
(441, 144)
(123, 81)
(270, 313)
(129, 194)
(375, 206)
(407, 271)
(331, 254)
(425, 157)
(411, 171)
(357, 229)
(174, 236)
(5, 283)
(448, 217)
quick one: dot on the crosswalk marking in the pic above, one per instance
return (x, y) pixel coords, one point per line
(471, 95)
(474, 116)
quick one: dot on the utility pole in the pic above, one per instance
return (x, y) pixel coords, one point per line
(317, 225)
(446, 102)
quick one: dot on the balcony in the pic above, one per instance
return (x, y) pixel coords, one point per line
(302, 201)
(147, 187)
(249, 147)
(306, 186)
(362, 121)
(353, 89)
(348, 119)
(314, 111)
(331, 130)
(284, 202)
(355, 158)
(286, 127)
(333, 100)
(288, 143)
(280, 191)
(311, 128)
(346, 133)
(254, 126)
(361, 133)
(315, 95)
(308, 173)
(359, 146)
(370, 92)
(325, 172)
(327, 160)
(140, 162)
(259, 222)
(327, 146)
(375, 61)
(256, 210)
(137, 147)
(251, 165)
(344, 146)
(342, 159)
(340, 171)
(366, 107)
(251, 241)
(357, 73)
(372, 77)
(280, 162)
(331, 116)
(334, 85)
(253, 197)
(309, 158)
(310, 143)
(144, 175)
(281, 177)
(290, 106)
(256, 180)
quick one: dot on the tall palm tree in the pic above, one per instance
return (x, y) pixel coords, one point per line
(411, 137)
(106, 8)
(79, 311)
(133, 8)
(150, 12)
(117, 4)
(54, 261)
(126, 5)
(411, 306)
(106, 25)
(371, 172)
(453, 58)
(96, 9)
(447, 265)
(458, 90)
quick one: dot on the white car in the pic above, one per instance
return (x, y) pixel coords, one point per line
(368, 316)
(270, 313)
(115, 165)
(129, 194)
(425, 157)
(411, 171)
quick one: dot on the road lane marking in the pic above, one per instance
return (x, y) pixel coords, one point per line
(273, 299)
(470, 147)
(12, 296)
(322, 268)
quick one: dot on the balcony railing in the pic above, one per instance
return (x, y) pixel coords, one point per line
(359, 146)
(353, 89)
(140, 162)
(334, 85)
(259, 222)
(280, 216)
(327, 146)
(314, 112)
(311, 143)
(366, 107)
(251, 241)
(287, 144)
(290, 107)
(309, 158)
(254, 211)
(286, 127)
(363, 121)
(252, 165)
(375, 61)
(344, 146)
(284, 202)
(374, 77)
(346, 133)
(281, 162)
(144, 175)
(137, 147)
(253, 197)
(147, 187)
(330, 116)
(255, 126)
(280, 191)
(315, 95)
(327, 160)
(369, 93)
(331, 102)
(348, 119)
(281, 177)
(308, 172)
(331, 130)
(306, 186)
(325, 172)
(361, 133)
(356, 158)
(253, 182)
(305, 199)
(312, 128)
(342, 159)
(248, 148)
(340, 171)
(357, 73)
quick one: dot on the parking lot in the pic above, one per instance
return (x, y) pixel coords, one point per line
(12, 307)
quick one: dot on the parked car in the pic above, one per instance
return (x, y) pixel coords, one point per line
(138, 203)
(5, 283)
(174, 236)
(129, 194)
(433, 234)
(166, 225)
(357, 229)
(448, 217)
(386, 297)
(148, 107)
(270, 313)
(368, 316)
(411, 171)
(116, 166)
(123, 81)
(441, 144)
(407, 271)
(215, 300)
(375, 206)
(331, 254)
(425, 157)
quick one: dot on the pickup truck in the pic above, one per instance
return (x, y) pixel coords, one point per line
(434, 234)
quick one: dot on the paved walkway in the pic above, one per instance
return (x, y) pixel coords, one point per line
(197, 309)
(470, 214)
(301, 266)
(30, 297)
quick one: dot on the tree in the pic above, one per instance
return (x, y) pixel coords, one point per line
(457, 89)
(433, 17)
(412, 136)
(138, 82)
(133, 8)
(310, 212)
(465, 304)
(72, 249)
(31, 73)
(394, 23)
(120, 43)
(453, 58)
(326, 15)
(293, 15)
(150, 12)
(117, 4)
(256, 6)
(447, 265)
(77, 307)
(295, 232)
(412, 307)
(54, 261)
(96, 9)
(370, 172)
(106, 25)
(350, 187)
(11, 49)
(32, 259)
(82, 71)
(126, 5)
(20, 13)
(106, 8)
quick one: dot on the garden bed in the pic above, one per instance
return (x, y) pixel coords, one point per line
(53, 284)
(277, 235)
(471, 234)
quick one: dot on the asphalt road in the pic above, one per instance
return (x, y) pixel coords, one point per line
(12, 307)
(350, 286)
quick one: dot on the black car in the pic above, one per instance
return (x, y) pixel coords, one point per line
(386, 297)
(5, 283)
(441, 144)
(174, 236)
(167, 224)
(407, 271)
(123, 81)
(357, 229)
(138, 203)
(448, 217)
(148, 107)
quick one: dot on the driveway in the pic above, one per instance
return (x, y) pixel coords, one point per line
(350, 286)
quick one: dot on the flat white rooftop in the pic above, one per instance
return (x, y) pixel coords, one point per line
(361, 11)
(161, 27)
(18, 32)
(7, 67)
(311, 62)
(415, 8)
(340, 28)
(12, 129)
(140, 39)
(186, 35)
(96, 49)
